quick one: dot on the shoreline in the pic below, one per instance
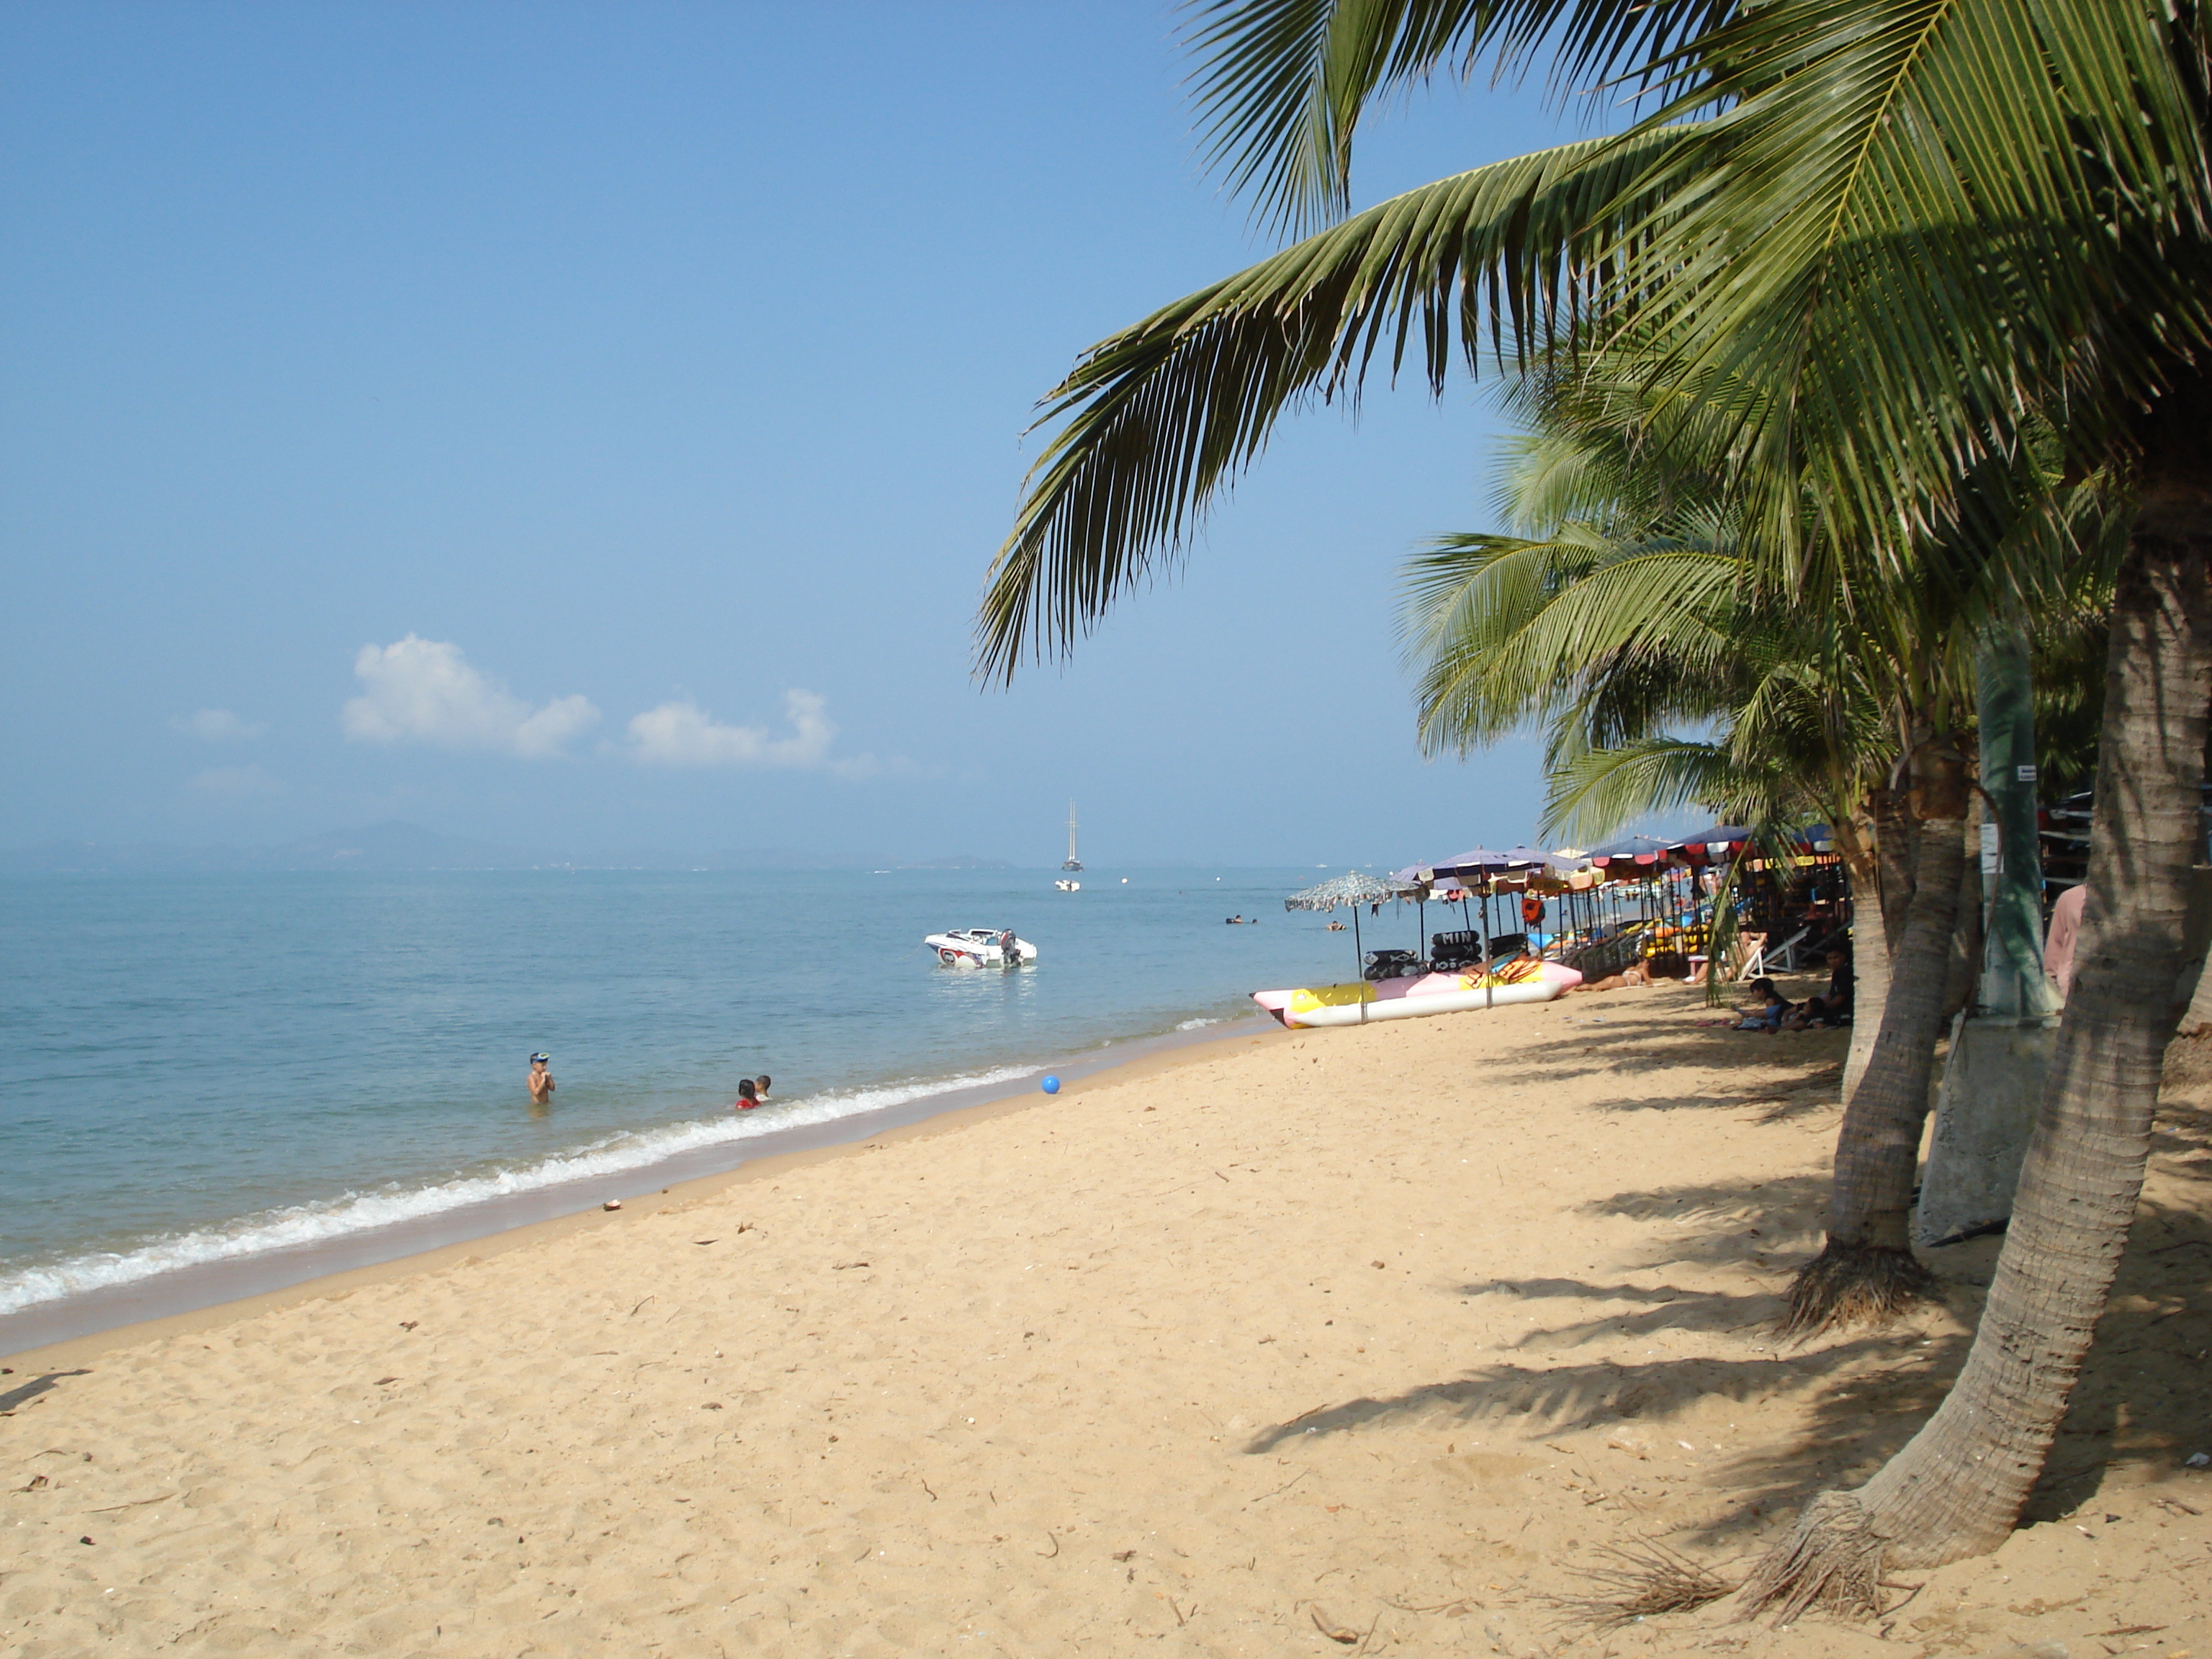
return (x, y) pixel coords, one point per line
(66, 1330)
(1381, 1335)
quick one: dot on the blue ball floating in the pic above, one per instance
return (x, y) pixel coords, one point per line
(1050, 1085)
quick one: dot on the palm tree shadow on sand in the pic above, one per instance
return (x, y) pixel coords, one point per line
(2145, 1388)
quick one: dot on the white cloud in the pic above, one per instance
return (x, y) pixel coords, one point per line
(420, 691)
(218, 726)
(233, 782)
(682, 734)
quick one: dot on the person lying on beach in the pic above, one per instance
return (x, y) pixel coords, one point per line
(760, 1086)
(748, 1096)
(1632, 975)
(541, 1079)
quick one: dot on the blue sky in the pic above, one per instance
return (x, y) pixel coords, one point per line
(589, 426)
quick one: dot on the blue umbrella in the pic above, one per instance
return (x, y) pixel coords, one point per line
(1635, 850)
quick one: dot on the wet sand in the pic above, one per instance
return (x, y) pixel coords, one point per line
(1323, 1342)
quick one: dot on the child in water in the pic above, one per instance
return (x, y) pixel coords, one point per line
(748, 1096)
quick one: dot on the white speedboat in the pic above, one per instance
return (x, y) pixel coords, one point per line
(1063, 885)
(981, 947)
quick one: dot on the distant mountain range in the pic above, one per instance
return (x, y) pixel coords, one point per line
(395, 846)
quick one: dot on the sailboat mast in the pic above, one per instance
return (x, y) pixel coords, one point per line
(1073, 863)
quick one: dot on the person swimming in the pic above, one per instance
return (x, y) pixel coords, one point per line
(760, 1086)
(748, 1096)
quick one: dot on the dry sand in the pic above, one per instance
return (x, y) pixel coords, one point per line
(1389, 1331)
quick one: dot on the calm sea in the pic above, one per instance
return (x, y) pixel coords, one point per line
(195, 1069)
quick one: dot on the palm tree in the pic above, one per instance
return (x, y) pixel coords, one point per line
(1642, 613)
(1917, 229)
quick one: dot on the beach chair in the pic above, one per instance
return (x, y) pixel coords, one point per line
(1783, 956)
(1746, 957)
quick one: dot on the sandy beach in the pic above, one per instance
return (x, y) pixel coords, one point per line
(1331, 1342)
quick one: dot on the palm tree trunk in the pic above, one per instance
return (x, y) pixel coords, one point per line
(1957, 1488)
(1893, 849)
(2188, 1056)
(1869, 943)
(1870, 995)
(1867, 1270)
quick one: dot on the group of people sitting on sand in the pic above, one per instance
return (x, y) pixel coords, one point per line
(1768, 1010)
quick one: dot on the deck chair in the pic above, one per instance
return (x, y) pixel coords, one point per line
(1785, 956)
(1746, 957)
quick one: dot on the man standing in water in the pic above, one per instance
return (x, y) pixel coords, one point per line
(541, 1079)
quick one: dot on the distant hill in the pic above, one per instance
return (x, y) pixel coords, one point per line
(396, 846)
(390, 846)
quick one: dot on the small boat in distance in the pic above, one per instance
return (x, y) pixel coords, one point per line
(1067, 886)
(1073, 862)
(981, 947)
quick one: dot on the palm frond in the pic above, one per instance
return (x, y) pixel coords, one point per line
(1282, 84)
(1600, 791)
(1159, 418)
(1503, 636)
(1917, 223)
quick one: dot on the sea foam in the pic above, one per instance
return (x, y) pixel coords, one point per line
(356, 1213)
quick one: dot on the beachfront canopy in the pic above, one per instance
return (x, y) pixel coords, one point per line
(1722, 840)
(1633, 849)
(1535, 858)
(1478, 862)
(1355, 887)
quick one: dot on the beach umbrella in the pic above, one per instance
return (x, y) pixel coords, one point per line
(1646, 850)
(1534, 861)
(1423, 879)
(1714, 844)
(1354, 888)
(1534, 858)
(1477, 863)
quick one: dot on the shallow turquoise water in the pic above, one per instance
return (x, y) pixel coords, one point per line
(197, 1067)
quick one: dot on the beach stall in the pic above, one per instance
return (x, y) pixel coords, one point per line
(1398, 984)
(1787, 889)
(1353, 888)
(1470, 874)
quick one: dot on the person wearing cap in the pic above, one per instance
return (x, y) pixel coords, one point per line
(541, 1079)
